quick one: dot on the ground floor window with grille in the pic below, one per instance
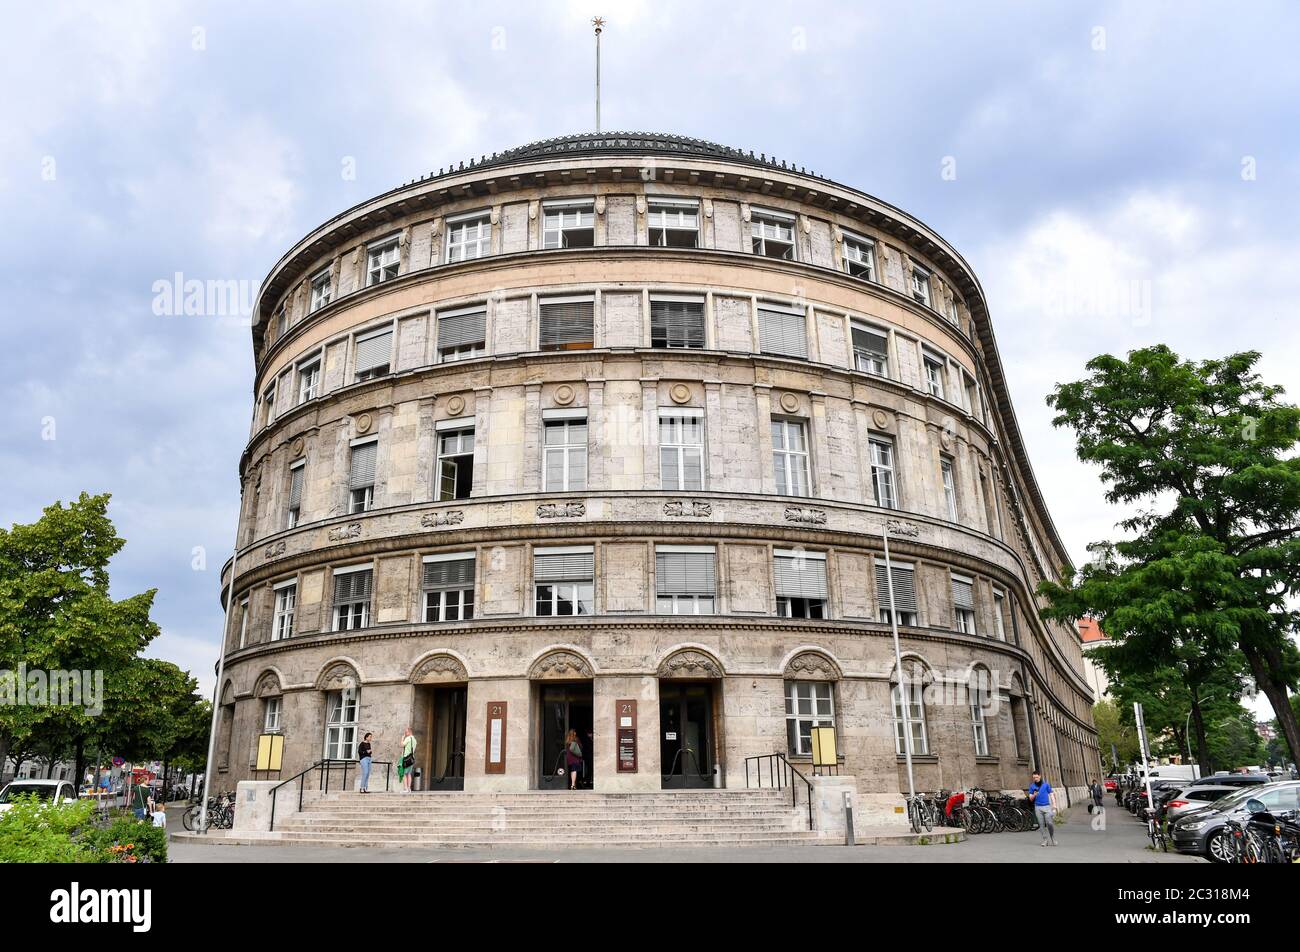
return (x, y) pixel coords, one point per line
(286, 599)
(808, 704)
(910, 716)
(352, 590)
(563, 580)
(904, 577)
(341, 724)
(449, 587)
(800, 583)
(271, 720)
(685, 580)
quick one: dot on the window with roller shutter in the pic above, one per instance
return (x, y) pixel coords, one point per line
(800, 583)
(963, 603)
(685, 580)
(904, 576)
(677, 323)
(461, 333)
(374, 354)
(870, 349)
(352, 591)
(782, 331)
(448, 586)
(566, 323)
(563, 580)
(297, 473)
(361, 477)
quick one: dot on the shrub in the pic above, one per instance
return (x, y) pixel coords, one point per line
(124, 839)
(32, 831)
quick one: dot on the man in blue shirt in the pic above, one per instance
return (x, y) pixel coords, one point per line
(1043, 797)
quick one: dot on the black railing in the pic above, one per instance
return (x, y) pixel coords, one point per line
(324, 768)
(780, 774)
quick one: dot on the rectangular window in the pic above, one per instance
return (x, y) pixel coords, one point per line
(685, 580)
(455, 463)
(999, 606)
(782, 331)
(566, 324)
(286, 598)
(243, 623)
(882, 471)
(268, 406)
(921, 284)
(281, 322)
(870, 349)
(674, 223)
(904, 576)
(352, 590)
(382, 262)
(341, 725)
(564, 462)
(461, 333)
(469, 236)
(934, 374)
(949, 487)
(562, 579)
(860, 257)
(374, 355)
(681, 450)
(308, 381)
(321, 290)
(790, 458)
(772, 234)
(361, 478)
(448, 587)
(568, 224)
(952, 311)
(972, 394)
(963, 604)
(677, 322)
(271, 722)
(800, 583)
(297, 473)
(808, 704)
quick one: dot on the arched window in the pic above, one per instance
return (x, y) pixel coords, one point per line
(910, 716)
(979, 692)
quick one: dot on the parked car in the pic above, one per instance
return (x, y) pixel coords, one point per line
(1234, 779)
(1187, 799)
(55, 791)
(1111, 784)
(1201, 831)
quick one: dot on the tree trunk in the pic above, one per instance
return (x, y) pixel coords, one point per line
(1262, 668)
(167, 780)
(1202, 745)
(4, 752)
(79, 760)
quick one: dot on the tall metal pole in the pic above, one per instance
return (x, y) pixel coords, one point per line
(898, 666)
(598, 23)
(216, 694)
(1140, 718)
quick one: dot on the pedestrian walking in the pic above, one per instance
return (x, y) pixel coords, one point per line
(1043, 798)
(573, 758)
(1097, 794)
(408, 759)
(363, 755)
(141, 802)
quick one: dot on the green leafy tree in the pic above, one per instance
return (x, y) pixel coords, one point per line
(1114, 733)
(56, 613)
(1205, 450)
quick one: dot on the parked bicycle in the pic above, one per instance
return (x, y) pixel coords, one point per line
(220, 813)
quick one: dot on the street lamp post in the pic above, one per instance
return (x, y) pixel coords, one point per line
(898, 666)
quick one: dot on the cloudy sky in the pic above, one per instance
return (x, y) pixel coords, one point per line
(1124, 174)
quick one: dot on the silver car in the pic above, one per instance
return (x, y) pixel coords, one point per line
(1193, 798)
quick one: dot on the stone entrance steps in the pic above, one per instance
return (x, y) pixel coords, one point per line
(546, 819)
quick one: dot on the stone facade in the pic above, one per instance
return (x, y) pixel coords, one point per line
(965, 504)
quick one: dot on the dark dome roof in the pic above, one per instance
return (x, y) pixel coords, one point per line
(619, 143)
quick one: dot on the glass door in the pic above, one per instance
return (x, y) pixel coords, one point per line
(686, 734)
(565, 708)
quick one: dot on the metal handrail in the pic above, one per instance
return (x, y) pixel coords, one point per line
(324, 766)
(778, 778)
(672, 772)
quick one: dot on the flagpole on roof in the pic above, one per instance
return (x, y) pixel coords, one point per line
(599, 24)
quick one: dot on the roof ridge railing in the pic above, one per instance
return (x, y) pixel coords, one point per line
(596, 142)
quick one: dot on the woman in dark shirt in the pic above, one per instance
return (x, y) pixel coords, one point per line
(363, 753)
(573, 758)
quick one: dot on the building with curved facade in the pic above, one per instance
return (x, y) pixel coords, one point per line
(601, 434)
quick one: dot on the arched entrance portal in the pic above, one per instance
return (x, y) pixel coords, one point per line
(688, 737)
(564, 703)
